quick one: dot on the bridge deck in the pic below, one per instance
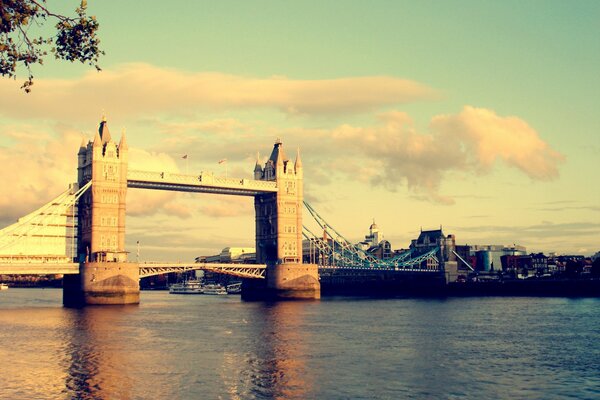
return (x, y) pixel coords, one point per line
(38, 268)
(202, 183)
(256, 271)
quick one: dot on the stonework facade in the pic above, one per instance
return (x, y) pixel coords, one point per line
(279, 215)
(102, 208)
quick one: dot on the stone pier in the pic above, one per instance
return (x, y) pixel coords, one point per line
(102, 283)
(293, 280)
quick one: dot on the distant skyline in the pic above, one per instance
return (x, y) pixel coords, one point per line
(477, 116)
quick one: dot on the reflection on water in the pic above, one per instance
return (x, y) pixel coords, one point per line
(217, 347)
(95, 365)
(273, 367)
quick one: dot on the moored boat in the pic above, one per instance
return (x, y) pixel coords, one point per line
(3, 286)
(186, 287)
(214, 289)
(234, 288)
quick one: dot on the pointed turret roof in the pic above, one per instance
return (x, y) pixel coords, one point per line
(97, 139)
(298, 163)
(103, 131)
(82, 146)
(123, 141)
(278, 155)
(257, 167)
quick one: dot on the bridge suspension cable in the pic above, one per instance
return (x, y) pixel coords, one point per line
(335, 251)
(50, 221)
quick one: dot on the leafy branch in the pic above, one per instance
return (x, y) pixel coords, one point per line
(75, 38)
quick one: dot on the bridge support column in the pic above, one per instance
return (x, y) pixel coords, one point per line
(294, 281)
(102, 283)
(284, 281)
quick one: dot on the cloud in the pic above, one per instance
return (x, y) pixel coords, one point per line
(543, 230)
(491, 137)
(562, 209)
(142, 89)
(150, 202)
(562, 238)
(39, 165)
(389, 153)
(36, 168)
(227, 206)
(471, 141)
(221, 127)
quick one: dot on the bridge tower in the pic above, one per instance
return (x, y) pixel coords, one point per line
(105, 275)
(279, 228)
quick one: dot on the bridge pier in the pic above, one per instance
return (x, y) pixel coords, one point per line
(286, 281)
(102, 283)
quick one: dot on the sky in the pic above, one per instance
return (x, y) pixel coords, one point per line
(477, 116)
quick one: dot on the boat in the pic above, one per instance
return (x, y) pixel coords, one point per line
(186, 287)
(3, 286)
(214, 289)
(234, 288)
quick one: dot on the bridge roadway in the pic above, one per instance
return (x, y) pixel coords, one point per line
(52, 265)
(202, 183)
(256, 271)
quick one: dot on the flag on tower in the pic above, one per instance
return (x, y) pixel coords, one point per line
(184, 157)
(221, 161)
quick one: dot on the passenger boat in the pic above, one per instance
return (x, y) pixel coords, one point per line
(186, 287)
(3, 286)
(214, 289)
(234, 288)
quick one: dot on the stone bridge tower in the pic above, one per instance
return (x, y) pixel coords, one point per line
(279, 228)
(104, 277)
(102, 208)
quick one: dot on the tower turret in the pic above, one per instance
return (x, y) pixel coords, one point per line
(97, 140)
(279, 229)
(123, 146)
(104, 132)
(298, 164)
(258, 171)
(81, 156)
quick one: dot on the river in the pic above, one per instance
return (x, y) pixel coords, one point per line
(218, 347)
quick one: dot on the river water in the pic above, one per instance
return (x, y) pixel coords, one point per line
(218, 347)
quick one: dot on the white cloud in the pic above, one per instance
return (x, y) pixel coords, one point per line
(393, 152)
(491, 137)
(38, 165)
(142, 89)
(36, 168)
(390, 153)
(227, 206)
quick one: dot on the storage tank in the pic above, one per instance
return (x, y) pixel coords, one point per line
(484, 260)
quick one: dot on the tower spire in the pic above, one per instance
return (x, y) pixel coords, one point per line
(103, 131)
(97, 139)
(123, 142)
(82, 146)
(298, 163)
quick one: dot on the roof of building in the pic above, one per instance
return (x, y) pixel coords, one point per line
(103, 131)
(123, 141)
(430, 236)
(298, 162)
(278, 153)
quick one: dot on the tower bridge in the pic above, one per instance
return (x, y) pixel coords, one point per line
(93, 258)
